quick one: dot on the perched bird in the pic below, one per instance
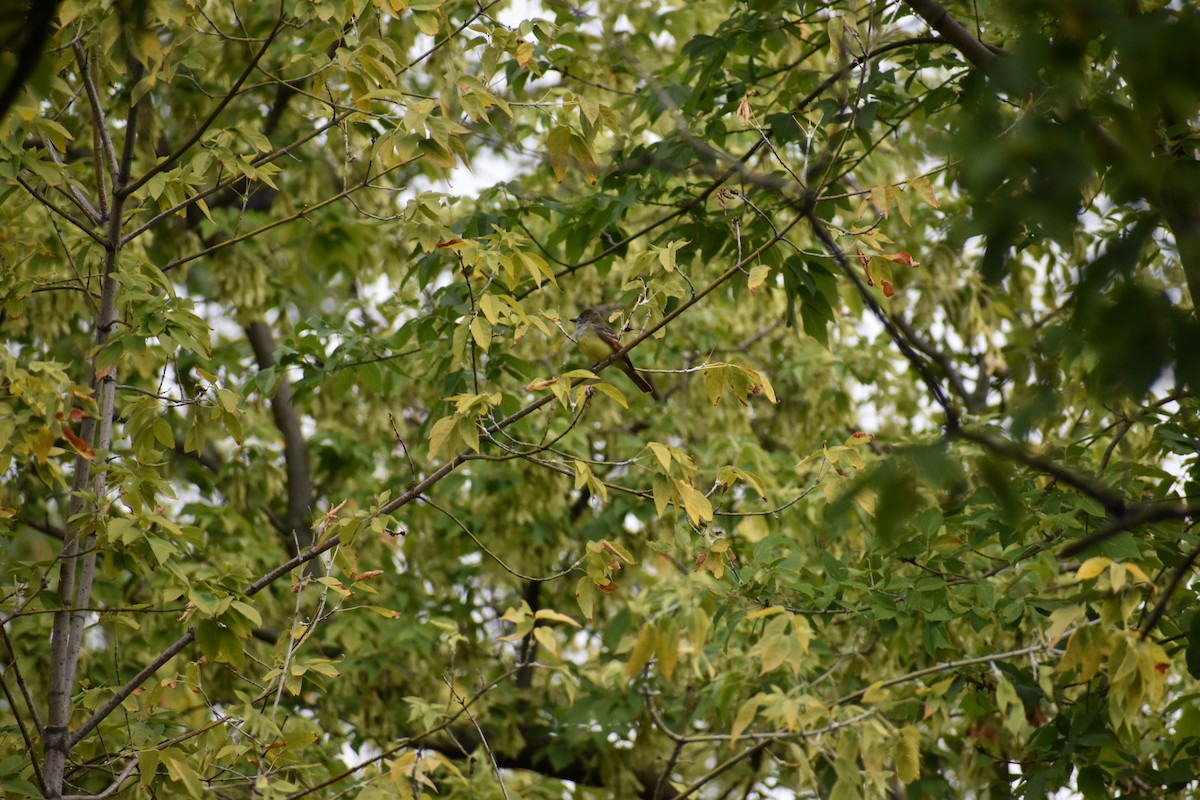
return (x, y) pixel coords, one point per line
(598, 341)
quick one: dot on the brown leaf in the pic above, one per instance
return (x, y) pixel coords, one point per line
(79, 445)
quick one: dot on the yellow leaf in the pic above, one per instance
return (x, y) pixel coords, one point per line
(583, 474)
(897, 195)
(714, 382)
(546, 613)
(879, 198)
(924, 190)
(907, 755)
(695, 504)
(757, 276)
(1116, 574)
(469, 431)
(666, 651)
(440, 433)
(613, 392)
(1085, 649)
(773, 647)
(1092, 567)
(585, 595)
(546, 639)
(1061, 619)
(558, 145)
(802, 632)
(643, 648)
(745, 716)
(662, 453)
(490, 307)
(524, 54)
(875, 693)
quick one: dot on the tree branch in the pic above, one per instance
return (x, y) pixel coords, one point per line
(938, 18)
(297, 519)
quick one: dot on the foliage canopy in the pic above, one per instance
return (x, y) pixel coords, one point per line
(306, 492)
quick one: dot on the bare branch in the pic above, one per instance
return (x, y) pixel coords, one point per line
(113, 787)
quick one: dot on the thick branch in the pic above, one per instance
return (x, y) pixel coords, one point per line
(78, 566)
(940, 20)
(298, 533)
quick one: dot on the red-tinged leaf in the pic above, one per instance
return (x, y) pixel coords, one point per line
(700, 559)
(79, 445)
(888, 289)
(864, 259)
(451, 242)
(608, 588)
(903, 258)
(537, 386)
(77, 414)
(1162, 667)
(371, 573)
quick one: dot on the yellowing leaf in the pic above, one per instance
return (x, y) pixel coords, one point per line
(662, 453)
(1137, 572)
(469, 431)
(643, 648)
(758, 275)
(555, 616)
(585, 595)
(439, 434)
(490, 307)
(924, 190)
(1092, 567)
(897, 196)
(545, 637)
(745, 716)
(524, 54)
(613, 392)
(876, 693)
(1061, 619)
(481, 331)
(695, 504)
(907, 755)
(666, 651)
(714, 382)
(558, 146)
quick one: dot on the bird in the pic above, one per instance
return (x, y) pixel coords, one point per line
(598, 341)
